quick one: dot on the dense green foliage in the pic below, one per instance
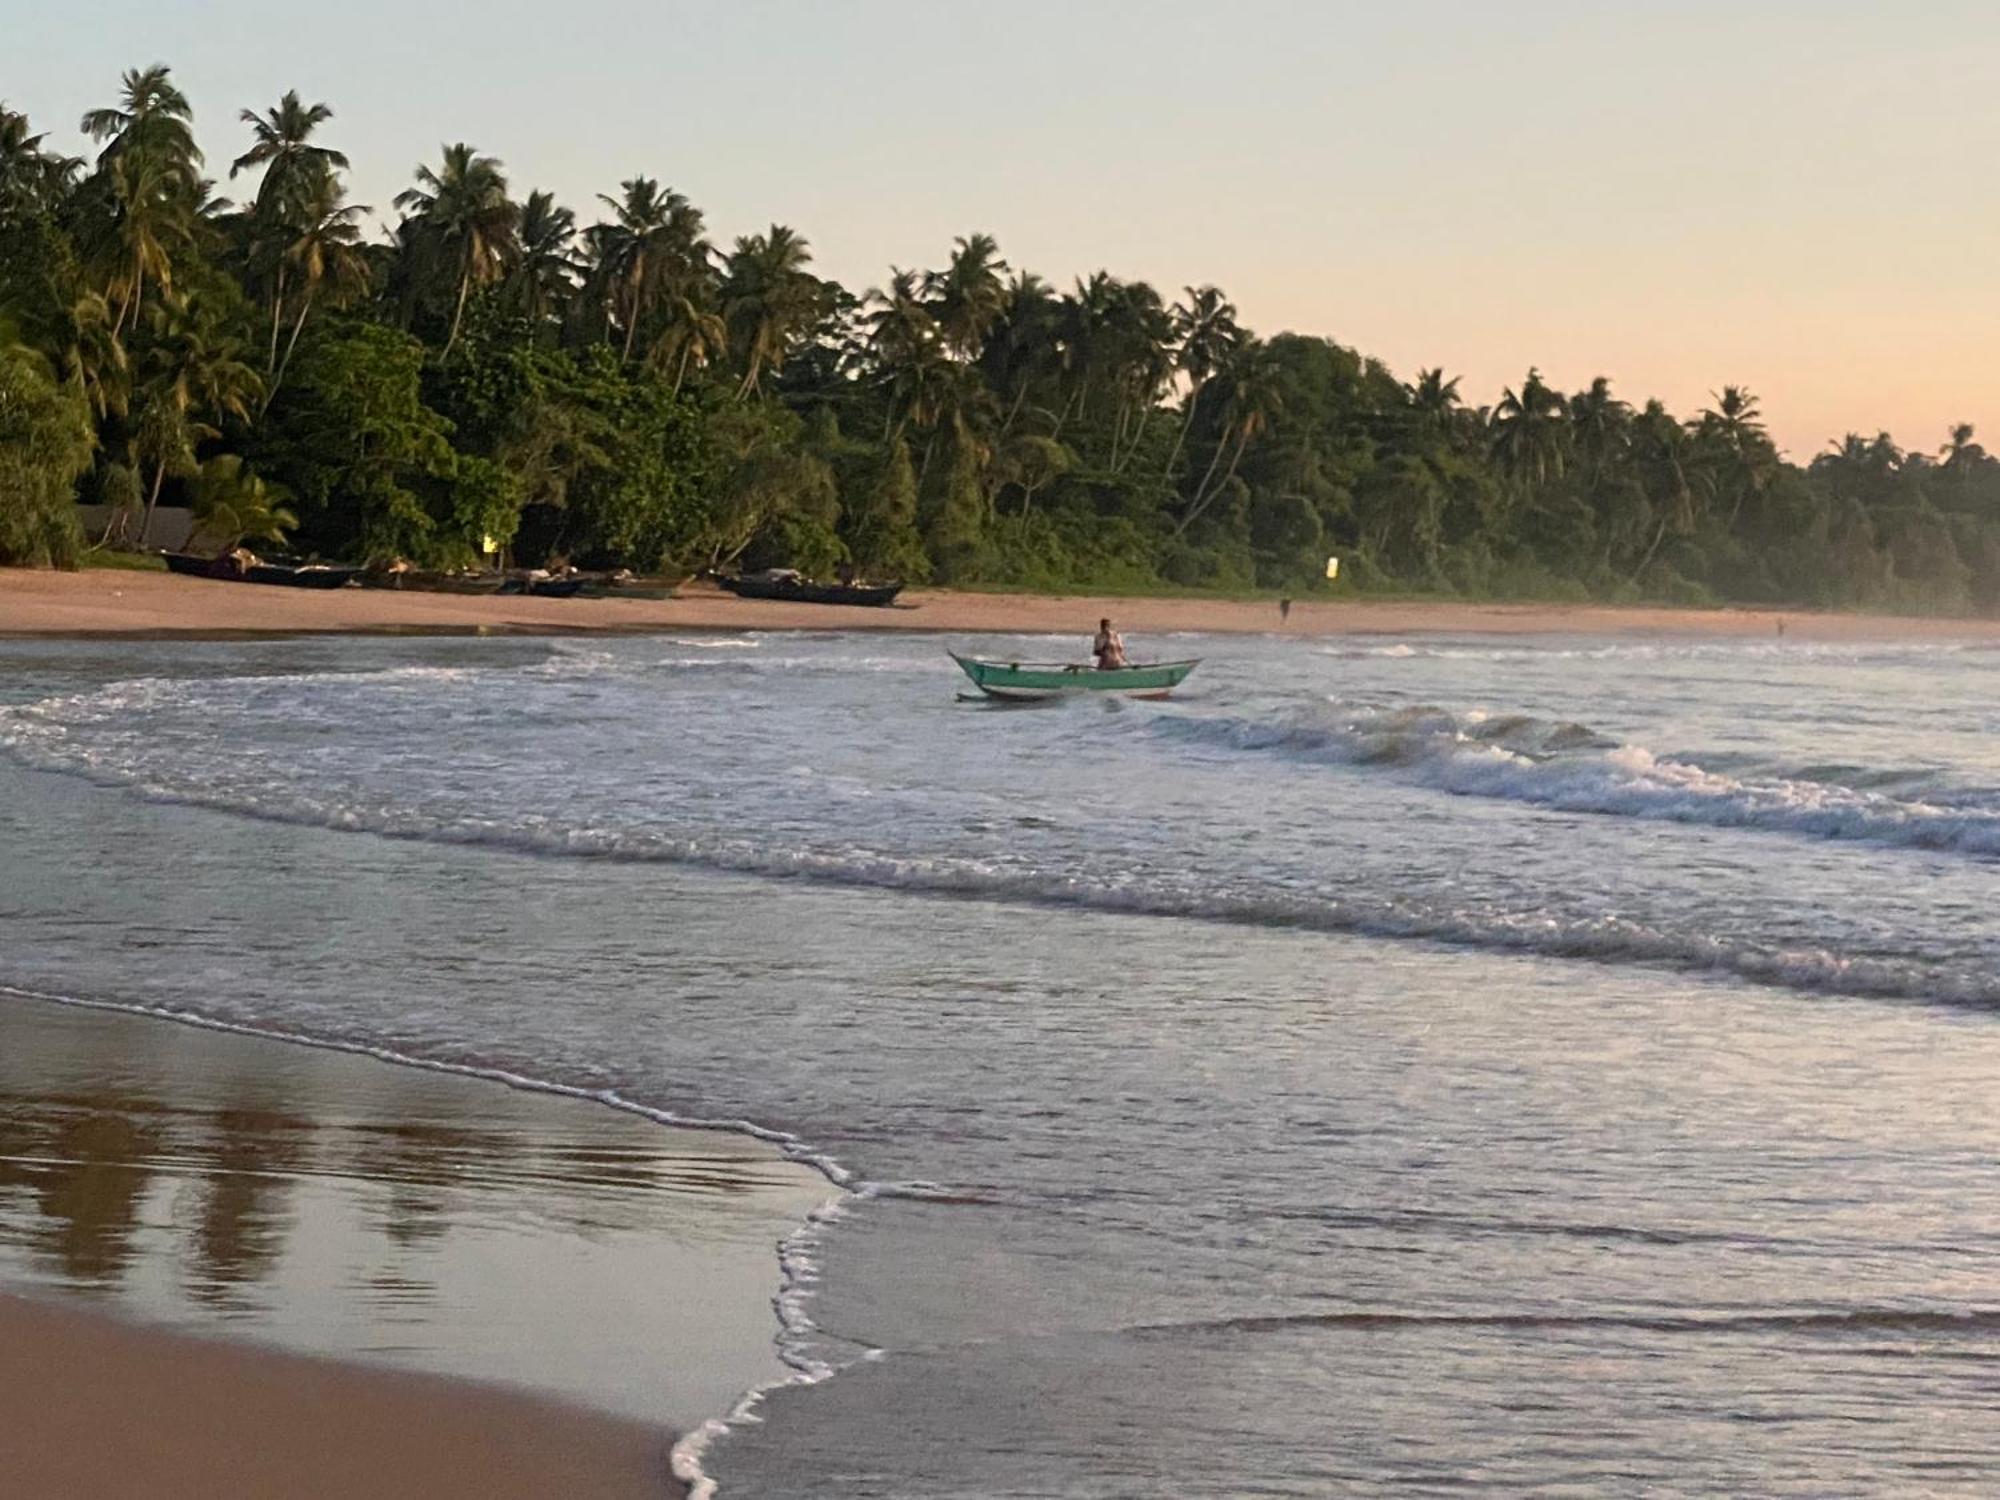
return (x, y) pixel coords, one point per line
(494, 373)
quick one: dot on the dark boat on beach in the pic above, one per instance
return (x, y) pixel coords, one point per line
(243, 567)
(546, 588)
(418, 582)
(792, 587)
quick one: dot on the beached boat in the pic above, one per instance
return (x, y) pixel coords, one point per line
(417, 581)
(546, 587)
(1024, 682)
(233, 567)
(795, 588)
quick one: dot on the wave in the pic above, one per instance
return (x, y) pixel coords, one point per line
(1976, 1322)
(1609, 940)
(1570, 767)
(1727, 649)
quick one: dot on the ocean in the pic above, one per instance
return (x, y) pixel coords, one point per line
(1392, 1067)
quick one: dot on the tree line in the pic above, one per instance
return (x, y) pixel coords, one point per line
(493, 372)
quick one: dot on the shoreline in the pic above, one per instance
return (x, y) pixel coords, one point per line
(304, 1199)
(122, 605)
(98, 1400)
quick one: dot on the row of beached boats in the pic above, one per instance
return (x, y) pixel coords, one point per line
(1010, 682)
(783, 584)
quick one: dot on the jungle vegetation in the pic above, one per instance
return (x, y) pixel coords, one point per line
(620, 387)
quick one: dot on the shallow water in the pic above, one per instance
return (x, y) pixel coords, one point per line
(341, 1206)
(1388, 1068)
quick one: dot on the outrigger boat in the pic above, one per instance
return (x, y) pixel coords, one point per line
(1027, 682)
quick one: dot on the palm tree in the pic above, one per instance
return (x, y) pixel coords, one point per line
(1527, 431)
(461, 224)
(968, 296)
(1597, 425)
(30, 177)
(1253, 398)
(544, 275)
(197, 373)
(151, 168)
(693, 335)
(1209, 335)
(282, 144)
(902, 341)
(1434, 397)
(152, 117)
(768, 298)
(1735, 428)
(653, 249)
(325, 254)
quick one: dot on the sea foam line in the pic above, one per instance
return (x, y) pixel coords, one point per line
(798, 1261)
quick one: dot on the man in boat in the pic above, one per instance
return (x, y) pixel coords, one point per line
(1108, 648)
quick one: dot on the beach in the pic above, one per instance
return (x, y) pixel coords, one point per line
(293, 1270)
(98, 1408)
(111, 603)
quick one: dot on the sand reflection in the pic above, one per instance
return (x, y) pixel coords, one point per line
(338, 1205)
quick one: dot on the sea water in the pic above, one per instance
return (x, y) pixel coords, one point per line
(1390, 1067)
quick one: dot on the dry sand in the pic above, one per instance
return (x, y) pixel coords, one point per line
(118, 603)
(97, 1409)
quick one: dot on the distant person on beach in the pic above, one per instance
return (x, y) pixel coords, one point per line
(1284, 609)
(1108, 648)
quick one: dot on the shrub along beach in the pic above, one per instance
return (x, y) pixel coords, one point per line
(492, 373)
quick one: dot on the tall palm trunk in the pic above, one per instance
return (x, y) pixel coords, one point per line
(277, 312)
(1180, 438)
(278, 375)
(458, 312)
(152, 502)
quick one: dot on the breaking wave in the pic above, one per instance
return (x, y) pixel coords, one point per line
(1572, 768)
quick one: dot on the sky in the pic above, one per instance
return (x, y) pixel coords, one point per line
(1792, 195)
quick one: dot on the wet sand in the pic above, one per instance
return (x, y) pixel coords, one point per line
(552, 1282)
(126, 603)
(98, 1409)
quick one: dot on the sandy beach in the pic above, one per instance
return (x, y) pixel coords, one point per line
(292, 1271)
(100, 1409)
(133, 603)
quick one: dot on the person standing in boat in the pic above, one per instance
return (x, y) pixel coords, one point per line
(1108, 648)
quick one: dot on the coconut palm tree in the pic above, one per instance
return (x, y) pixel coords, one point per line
(1528, 437)
(693, 335)
(30, 177)
(967, 297)
(150, 170)
(152, 117)
(325, 257)
(544, 275)
(1434, 397)
(653, 249)
(768, 299)
(460, 225)
(902, 339)
(1208, 336)
(1597, 427)
(281, 143)
(196, 373)
(1253, 398)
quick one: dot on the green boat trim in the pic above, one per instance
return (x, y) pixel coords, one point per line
(1027, 681)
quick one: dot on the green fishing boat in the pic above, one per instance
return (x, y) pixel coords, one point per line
(1025, 682)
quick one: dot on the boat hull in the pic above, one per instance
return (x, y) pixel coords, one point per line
(227, 569)
(805, 591)
(1033, 682)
